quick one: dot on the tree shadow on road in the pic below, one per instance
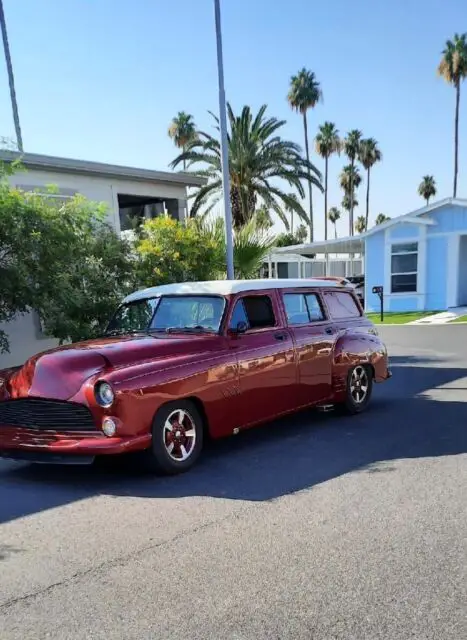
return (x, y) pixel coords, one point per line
(290, 455)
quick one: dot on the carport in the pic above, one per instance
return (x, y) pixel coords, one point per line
(332, 251)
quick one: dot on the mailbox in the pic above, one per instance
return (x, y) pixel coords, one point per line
(379, 291)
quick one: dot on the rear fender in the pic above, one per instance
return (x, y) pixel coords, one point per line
(354, 348)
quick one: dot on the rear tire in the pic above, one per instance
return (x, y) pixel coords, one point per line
(177, 438)
(358, 389)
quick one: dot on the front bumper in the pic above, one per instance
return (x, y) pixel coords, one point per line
(15, 442)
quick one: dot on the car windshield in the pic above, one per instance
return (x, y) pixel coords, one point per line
(169, 314)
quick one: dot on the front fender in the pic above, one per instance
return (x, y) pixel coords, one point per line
(353, 348)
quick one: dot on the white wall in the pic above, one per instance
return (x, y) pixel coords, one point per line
(25, 338)
(23, 334)
(99, 189)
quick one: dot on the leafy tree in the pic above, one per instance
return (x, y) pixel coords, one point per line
(327, 142)
(453, 68)
(305, 93)
(381, 218)
(169, 252)
(182, 131)
(334, 215)
(351, 148)
(360, 224)
(61, 259)
(289, 239)
(427, 188)
(257, 157)
(369, 155)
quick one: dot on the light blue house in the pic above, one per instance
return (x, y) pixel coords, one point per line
(419, 258)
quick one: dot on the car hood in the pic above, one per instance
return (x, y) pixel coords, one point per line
(61, 372)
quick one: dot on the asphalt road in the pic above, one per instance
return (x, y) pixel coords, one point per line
(318, 527)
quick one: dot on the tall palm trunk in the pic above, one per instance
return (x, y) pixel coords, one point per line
(352, 163)
(456, 137)
(367, 197)
(335, 230)
(291, 222)
(326, 159)
(427, 201)
(187, 213)
(11, 79)
(305, 126)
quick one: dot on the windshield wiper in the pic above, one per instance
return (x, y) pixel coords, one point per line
(196, 329)
(123, 332)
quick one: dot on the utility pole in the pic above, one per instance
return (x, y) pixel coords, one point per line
(11, 79)
(224, 147)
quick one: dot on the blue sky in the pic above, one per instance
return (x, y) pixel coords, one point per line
(101, 79)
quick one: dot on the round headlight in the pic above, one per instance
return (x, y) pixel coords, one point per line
(109, 427)
(104, 394)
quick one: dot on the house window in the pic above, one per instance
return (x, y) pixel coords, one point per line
(404, 267)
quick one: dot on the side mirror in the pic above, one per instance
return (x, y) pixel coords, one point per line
(241, 327)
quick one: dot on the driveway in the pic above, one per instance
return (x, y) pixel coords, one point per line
(317, 527)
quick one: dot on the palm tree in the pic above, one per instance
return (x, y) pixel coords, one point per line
(263, 217)
(182, 130)
(369, 154)
(258, 157)
(334, 215)
(348, 204)
(327, 142)
(291, 195)
(360, 224)
(427, 188)
(11, 79)
(348, 178)
(381, 218)
(251, 245)
(351, 149)
(453, 68)
(305, 93)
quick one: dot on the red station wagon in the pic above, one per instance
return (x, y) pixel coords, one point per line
(180, 362)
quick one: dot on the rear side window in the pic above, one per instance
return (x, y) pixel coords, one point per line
(256, 311)
(302, 308)
(341, 305)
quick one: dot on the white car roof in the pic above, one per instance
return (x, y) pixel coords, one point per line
(226, 287)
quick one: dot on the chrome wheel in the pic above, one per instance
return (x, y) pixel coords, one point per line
(179, 435)
(359, 385)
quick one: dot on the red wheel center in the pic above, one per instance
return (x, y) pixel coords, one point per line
(177, 435)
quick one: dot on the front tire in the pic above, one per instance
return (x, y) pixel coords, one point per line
(177, 438)
(359, 389)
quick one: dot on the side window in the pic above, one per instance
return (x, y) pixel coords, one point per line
(341, 305)
(302, 308)
(238, 315)
(256, 311)
(296, 308)
(314, 308)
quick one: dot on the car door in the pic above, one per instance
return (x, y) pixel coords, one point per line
(314, 336)
(266, 358)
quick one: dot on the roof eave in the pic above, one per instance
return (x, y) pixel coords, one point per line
(84, 167)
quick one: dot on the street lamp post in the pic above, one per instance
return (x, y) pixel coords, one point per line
(224, 147)
(11, 78)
